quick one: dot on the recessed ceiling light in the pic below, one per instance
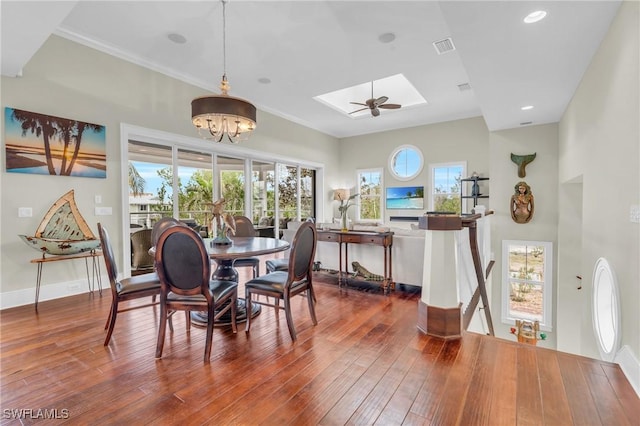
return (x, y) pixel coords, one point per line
(264, 80)
(177, 38)
(527, 108)
(536, 16)
(387, 37)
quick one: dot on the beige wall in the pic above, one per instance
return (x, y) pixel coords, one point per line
(461, 140)
(584, 179)
(72, 81)
(600, 147)
(542, 176)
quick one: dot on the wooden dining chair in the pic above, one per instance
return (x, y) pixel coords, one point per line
(160, 226)
(244, 228)
(282, 264)
(283, 285)
(122, 290)
(184, 269)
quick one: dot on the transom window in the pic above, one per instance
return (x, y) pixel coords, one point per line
(527, 270)
(406, 162)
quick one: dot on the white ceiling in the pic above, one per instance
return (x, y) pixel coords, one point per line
(307, 48)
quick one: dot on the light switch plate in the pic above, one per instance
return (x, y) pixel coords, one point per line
(103, 211)
(634, 214)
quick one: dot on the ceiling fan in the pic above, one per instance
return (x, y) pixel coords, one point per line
(374, 104)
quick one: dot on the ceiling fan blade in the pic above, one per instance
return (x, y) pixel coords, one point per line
(381, 100)
(358, 103)
(375, 112)
(390, 106)
(358, 110)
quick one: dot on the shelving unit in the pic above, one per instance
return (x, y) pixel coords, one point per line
(473, 190)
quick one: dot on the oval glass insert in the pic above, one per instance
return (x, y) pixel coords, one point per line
(606, 310)
(406, 162)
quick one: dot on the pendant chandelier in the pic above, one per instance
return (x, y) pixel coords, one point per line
(222, 115)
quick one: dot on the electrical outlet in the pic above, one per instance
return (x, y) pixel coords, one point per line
(98, 199)
(634, 214)
(25, 212)
(73, 287)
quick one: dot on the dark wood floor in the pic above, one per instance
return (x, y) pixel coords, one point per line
(364, 363)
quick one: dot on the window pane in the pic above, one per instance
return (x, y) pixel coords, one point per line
(446, 188)
(263, 194)
(150, 183)
(406, 162)
(195, 177)
(526, 273)
(526, 301)
(232, 184)
(370, 190)
(288, 193)
(307, 191)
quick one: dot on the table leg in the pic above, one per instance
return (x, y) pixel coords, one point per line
(226, 271)
(96, 273)
(89, 282)
(38, 280)
(339, 264)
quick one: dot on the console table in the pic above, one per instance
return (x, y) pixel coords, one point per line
(384, 239)
(93, 254)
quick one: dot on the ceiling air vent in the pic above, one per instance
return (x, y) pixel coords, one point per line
(444, 46)
(464, 87)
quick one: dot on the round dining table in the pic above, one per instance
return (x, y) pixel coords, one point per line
(224, 255)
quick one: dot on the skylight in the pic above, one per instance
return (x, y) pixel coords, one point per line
(396, 87)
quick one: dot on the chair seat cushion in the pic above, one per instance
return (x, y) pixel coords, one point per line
(273, 281)
(277, 265)
(221, 288)
(246, 261)
(139, 283)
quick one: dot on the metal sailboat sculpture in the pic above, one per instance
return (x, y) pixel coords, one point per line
(63, 230)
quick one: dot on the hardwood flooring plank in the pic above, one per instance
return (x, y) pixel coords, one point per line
(504, 407)
(554, 401)
(529, 400)
(579, 397)
(456, 387)
(364, 363)
(623, 390)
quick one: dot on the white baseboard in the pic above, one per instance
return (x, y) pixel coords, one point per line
(27, 296)
(630, 367)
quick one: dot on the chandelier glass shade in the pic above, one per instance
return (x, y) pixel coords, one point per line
(217, 116)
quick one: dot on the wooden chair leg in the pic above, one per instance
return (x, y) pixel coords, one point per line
(207, 343)
(247, 300)
(112, 322)
(311, 300)
(162, 329)
(234, 309)
(287, 311)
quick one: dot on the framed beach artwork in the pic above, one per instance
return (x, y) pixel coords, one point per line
(47, 145)
(405, 197)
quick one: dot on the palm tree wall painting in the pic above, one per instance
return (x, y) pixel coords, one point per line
(43, 144)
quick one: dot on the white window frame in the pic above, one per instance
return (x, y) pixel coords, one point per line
(432, 168)
(379, 170)
(546, 323)
(392, 164)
